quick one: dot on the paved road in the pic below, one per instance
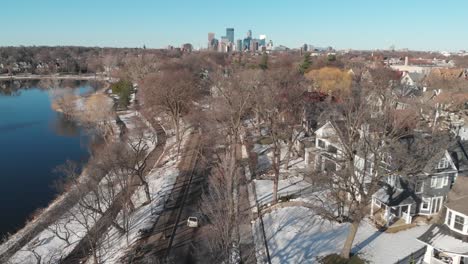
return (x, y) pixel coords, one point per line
(182, 203)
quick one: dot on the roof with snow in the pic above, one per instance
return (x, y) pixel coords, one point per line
(393, 197)
(444, 239)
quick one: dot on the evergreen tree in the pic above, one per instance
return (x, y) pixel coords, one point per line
(305, 65)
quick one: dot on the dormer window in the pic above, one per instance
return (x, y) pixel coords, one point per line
(443, 164)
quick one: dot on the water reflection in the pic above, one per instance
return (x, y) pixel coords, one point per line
(34, 139)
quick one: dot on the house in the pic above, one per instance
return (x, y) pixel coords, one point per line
(448, 242)
(412, 79)
(424, 194)
(328, 148)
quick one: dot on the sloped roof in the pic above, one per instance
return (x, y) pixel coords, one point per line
(393, 197)
(458, 195)
(416, 77)
(444, 239)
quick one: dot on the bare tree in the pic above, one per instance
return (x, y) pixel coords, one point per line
(223, 237)
(98, 113)
(373, 137)
(280, 105)
(171, 92)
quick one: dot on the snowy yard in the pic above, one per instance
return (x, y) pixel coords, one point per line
(290, 186)
(296, 235)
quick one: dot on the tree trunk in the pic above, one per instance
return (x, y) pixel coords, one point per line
(276, 168)
(346, 251)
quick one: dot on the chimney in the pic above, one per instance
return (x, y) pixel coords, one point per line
(406, 61)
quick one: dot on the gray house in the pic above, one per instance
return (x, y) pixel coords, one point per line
(423, 194)
(447, 242)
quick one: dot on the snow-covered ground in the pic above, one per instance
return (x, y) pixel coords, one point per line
(161, 181)
(290, 186)
(297, 235)
(60, 238)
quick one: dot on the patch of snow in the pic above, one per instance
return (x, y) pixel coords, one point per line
(297, 235)
(290, 186)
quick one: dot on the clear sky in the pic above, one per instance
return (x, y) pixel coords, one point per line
(358, 24)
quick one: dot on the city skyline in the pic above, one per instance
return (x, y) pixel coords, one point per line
(362, 24)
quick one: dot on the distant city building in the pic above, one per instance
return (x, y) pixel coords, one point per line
(214, 44)
(230, 34)
(269, 46)
(254, 45)
(228, 44)
(211, 36)
(246, 44)
(262, 40)
(225, 45)
(239, 46)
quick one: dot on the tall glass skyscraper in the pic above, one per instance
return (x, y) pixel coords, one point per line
(230, 34)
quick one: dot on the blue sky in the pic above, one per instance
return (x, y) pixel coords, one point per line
(357, 24)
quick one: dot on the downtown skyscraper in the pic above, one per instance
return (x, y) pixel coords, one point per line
(230, 34)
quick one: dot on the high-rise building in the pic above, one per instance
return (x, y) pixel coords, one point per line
(254, 45)
(246, 44)
(239, 46)
(214, 44)
(270, 45)
(211, 36)
(249, 33)
(262, 41)
(230, 34)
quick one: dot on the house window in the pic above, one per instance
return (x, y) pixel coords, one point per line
(446, 178)
(321, 144)
(439, 181)
(449, 218)
(443, 164)
(425, 204)
(459, 222)
(419, 187)
(332, 149)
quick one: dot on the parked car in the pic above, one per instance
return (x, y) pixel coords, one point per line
(192, 221)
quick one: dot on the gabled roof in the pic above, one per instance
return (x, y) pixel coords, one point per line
(415, 76)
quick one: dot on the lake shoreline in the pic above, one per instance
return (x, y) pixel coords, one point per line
(42, 216)
(78, 77)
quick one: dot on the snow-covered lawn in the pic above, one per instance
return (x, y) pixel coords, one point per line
(297, 235)
(290, 186)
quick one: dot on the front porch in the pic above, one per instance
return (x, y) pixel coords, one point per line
(386, 216)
